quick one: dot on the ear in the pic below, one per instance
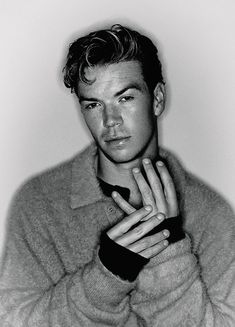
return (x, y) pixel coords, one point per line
(159, 97)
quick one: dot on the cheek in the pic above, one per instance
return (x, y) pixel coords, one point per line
(144, 120)
(92, 123)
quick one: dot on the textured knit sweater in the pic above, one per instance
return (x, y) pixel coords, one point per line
(51, 274)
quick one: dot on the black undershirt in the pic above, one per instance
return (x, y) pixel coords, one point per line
(122, 261)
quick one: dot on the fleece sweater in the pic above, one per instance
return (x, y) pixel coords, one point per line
(51, 274)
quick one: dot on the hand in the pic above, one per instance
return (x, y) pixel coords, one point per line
(133, 239)
(159, 193)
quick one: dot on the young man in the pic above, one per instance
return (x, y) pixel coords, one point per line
(121, 235)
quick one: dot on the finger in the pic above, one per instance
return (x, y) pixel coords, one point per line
(138, 232)
(123, 226)
(169, 189)
(149, 241)
(154, 250)
(144, 188)
(123, 204)
(156, 186)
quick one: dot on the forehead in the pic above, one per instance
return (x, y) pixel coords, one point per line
(111, 78)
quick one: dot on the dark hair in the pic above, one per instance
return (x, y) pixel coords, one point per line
(110, 46)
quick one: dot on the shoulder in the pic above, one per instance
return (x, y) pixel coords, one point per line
(210, 223)
(204, 202)
(209, 219)
(44, 184)
(204, 210)
(196, 194)
(201, 195)
(50, 186)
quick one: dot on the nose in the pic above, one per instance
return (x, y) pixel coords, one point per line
(111, 116)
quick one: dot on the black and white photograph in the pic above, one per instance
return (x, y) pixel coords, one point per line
(117, 163)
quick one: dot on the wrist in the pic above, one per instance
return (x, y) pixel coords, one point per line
(119, 260)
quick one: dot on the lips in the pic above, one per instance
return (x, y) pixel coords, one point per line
(117, 141)
(117, 138)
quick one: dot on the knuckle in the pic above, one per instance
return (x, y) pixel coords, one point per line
(157, 239)
(157, 183)
(146, 242)
(152, 240)
(124, 228)
(147, 191)
(124, 206)
(138, 230)
(170, 182)
(150, 252)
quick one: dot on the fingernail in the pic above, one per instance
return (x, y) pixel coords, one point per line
(160, 163)
(165, 242)
(114, 194)
(148, 208)
(146, 161)
(136, 170)
(166, 233)
(160, 216)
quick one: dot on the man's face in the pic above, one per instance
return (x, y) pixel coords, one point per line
(118, 110)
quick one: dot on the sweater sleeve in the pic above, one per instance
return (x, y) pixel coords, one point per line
(186, 287)
(36, 290)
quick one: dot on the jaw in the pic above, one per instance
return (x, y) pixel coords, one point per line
(126, 157)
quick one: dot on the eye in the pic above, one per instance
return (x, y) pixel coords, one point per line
(92, 105)
(126, 98)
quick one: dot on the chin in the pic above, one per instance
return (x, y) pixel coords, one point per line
(119, 157)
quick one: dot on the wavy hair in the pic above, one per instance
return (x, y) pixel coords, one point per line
(110, 46)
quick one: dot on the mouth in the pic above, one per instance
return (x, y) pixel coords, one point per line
(117, 141)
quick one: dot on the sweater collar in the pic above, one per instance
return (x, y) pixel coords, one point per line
(85, 188)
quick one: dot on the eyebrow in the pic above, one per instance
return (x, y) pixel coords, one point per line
(135, 86)
(82, 98)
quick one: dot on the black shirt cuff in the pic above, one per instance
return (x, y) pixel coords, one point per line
(119, 260)
(127, 264)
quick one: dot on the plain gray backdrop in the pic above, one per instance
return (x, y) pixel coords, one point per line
(40, 120)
